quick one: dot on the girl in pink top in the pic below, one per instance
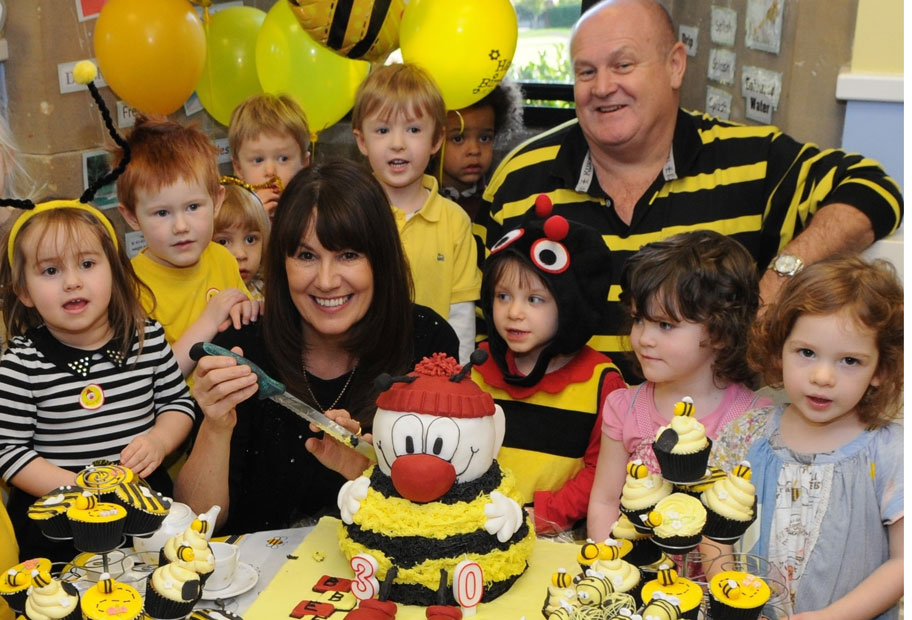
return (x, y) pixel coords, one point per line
(692, 299)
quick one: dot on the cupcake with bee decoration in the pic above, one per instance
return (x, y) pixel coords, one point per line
(641, 492)
(682, 447)
(50, 599)
(674, 592)
(731, 505)
(736, 595)
(111, 600)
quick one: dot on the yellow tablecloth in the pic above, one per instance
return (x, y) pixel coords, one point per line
(292, 584)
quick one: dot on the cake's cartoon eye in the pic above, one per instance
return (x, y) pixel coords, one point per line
(550, 256)
(442, 438)
(408, 435)
(507, 239)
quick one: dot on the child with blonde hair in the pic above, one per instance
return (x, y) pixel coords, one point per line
(691, 298)
(828, 464)
(270, 141)
(242, 226)
(171, 192)
(86, 375)
(398, 121)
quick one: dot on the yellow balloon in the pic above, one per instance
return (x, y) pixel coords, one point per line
(467, 46)
(365, 29)
(230, 75)
(289, 61)
(150, 53)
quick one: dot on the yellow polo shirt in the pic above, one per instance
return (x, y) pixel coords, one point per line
(440, 248)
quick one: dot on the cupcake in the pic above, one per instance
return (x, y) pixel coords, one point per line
(50, 599)
(146, 509)
(712, 475)
(730, 505)
(736, 595)
(682, 448)
(677, 523)
(670, 588)
(212, 614)
(103, 477)
(97, 526)
(642, 550)
(49, 512)
(172, 590)
(641, 492)
(203, 562)
(111, 600)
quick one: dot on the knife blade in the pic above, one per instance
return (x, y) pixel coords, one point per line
(275, 391)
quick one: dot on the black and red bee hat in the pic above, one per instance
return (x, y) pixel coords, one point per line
(573, 262)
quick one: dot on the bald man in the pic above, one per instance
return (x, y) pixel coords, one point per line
(637, 168)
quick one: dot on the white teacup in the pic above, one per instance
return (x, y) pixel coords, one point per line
(226, 563)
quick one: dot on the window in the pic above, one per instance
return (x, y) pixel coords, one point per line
(541, 63)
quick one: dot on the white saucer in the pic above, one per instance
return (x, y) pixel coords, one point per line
(245, 577)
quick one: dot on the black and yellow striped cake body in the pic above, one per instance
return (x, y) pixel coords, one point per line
(422, 539)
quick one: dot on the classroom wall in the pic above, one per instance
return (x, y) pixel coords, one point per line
(54, 129)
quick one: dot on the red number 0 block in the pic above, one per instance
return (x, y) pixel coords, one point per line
(365, 585)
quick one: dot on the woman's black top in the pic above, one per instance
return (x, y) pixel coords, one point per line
(274, 481)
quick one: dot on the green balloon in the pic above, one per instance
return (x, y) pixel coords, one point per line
(289, 61)
(230, 74)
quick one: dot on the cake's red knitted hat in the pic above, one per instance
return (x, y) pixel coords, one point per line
(431, 389)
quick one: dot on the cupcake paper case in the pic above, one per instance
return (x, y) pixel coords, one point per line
(97, 526)
(736, 595)
(682, 448)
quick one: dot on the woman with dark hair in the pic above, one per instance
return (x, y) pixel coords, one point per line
(339, 313)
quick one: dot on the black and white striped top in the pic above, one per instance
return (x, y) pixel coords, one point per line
(73, 406)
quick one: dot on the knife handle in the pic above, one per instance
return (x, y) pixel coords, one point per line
(268, 386)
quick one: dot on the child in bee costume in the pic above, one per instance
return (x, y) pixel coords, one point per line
(544, 294)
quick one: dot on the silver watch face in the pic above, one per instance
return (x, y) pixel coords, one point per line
(787, 264)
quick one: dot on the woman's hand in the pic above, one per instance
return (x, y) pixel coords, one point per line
(335, 455)
(219, 384)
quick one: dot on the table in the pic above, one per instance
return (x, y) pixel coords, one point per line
(318, 554)
(267, 552)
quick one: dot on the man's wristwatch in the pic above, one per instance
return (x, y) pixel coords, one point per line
(786, 264)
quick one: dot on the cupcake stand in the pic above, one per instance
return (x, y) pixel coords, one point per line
(100, 561)
(694, 563)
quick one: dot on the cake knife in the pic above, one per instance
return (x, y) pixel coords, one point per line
(275, 391)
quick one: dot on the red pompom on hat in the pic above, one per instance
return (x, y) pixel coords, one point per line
(432, 392)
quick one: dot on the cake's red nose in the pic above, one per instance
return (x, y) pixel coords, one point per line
(422, 478)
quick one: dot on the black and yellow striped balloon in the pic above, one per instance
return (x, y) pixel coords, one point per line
(357, 29)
